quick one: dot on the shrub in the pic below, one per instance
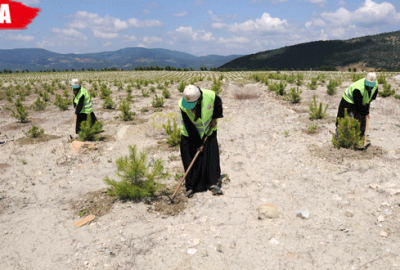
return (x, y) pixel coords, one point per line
(34, 132)
(157, 102)
(62, 103)
(21, 113)
(126, 114)
(104, 92)
(322, 77)
(173, 132)
(355, 77)
(145, 93)
(216, 86)
(387, 91)
(153, 89)
(109, 103)
(166, 93)
(381, 79)
(312, 128)
(273, 86)
(348, 133)
(281, 88)
(138, 182)
(39, 105)
(294, 95)
(331, 88)
(313, 84)
(316, 112)
(397, 96)
(88, 131)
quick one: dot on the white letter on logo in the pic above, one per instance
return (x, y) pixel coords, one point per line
(5, 13)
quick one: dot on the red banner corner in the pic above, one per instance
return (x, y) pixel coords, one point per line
(15, 15)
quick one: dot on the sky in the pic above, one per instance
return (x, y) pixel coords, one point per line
(198, 27)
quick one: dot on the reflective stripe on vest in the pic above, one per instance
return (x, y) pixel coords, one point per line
(360, 85)
(207, 108)
(87, 103)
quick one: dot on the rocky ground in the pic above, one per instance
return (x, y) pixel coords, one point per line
(330, 208)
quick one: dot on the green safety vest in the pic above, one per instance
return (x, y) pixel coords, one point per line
(207, 108)
(360, 85)
(87, 103)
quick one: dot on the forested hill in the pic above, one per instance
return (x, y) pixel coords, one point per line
(380, 51)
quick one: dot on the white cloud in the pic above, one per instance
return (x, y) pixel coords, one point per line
(264, 24)
(342, 3)
(182, 14)
(315, 23)
(195, 35)
(128, 38)
(341, 17)
(141, 45)
(86, 20)
(337, 32)
(145, 11)
(68, 34)
(100, 34)
(20, 38)
(220, 18)
(92, 21)
(152, 39)
(218, 25)
(372, 13)
(369, 14)
(234, 39)
(107, 44)
(147, 23)
(317, 1)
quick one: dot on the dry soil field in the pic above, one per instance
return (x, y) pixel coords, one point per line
(267, 151)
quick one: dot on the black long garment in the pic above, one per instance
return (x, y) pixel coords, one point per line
(206, 170)
(82, 116)
(357, 110)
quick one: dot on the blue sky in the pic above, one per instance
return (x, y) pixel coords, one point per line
(198, 27)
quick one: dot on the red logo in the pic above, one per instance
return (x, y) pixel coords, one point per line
(209, 107)
(14, 15)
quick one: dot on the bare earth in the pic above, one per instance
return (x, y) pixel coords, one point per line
(353, 197)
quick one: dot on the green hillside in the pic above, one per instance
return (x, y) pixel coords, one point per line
(379, 51)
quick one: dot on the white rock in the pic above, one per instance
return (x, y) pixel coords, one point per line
(349, 213)
(394, 191)
(267, 211)
(383, 234)
(192, 251)
(375, 186)
(274, 241)
(304, 214)
(381, 218)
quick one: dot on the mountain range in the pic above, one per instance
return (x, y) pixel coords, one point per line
(128, 58)
(381, 51)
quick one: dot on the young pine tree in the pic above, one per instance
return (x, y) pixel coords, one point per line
(348, 133)
(137, 180)
(89, 131)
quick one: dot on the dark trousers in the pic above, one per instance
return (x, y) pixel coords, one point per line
(351, 112)
(82, 117)
(206, 169)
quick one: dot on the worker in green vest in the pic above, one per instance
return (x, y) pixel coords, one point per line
(200, 109)
(357, 99)
(82, 104)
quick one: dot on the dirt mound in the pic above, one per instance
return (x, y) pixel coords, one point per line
(335, 155)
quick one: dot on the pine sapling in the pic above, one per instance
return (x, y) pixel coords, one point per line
(34, 132)
(173, 132)
(317, 112)
(21, 112)
(138, 180)
(89, 130)
(348, 133)
(126, 114)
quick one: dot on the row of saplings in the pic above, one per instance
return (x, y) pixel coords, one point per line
(139, 178)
